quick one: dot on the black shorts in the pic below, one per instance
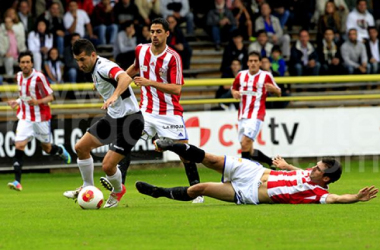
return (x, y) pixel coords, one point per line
(121, 134)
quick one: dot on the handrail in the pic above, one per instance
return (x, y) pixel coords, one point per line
(224, 100)
(223, 81)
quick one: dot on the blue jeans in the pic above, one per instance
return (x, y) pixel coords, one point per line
(60, 40)
(301, 70)
(283, 18)
(71, 75)
(102, 31)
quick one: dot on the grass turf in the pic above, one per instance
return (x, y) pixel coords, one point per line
(39, 217)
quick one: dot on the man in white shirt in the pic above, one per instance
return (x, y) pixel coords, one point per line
(77, 21)
(360, 19)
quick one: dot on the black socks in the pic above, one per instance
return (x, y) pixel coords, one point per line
(188, 152)
(123, 166)
(176, 193)
(192, 173)
(261, 157)
(55, 150)
(17, 164)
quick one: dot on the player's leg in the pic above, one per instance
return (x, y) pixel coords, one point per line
(248, 130)
(42, 133)
(191, 152)
(220, 191)
(123, 165)
(190, 168)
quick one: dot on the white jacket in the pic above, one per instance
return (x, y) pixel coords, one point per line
(34, 41)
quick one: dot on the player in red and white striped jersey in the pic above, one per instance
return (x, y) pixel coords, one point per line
(251, 87)
(161, 79)
(248, 182)
(34, 115)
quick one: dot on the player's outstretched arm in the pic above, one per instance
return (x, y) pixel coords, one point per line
(13, 103)
(280, 163)
(273, 89)
(123, 82)
(364, 194)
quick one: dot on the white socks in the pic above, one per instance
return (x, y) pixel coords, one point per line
(115, 181)
(86, 168)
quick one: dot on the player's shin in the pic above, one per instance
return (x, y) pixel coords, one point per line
(188, 152)
(18, 163)
(192, 173)
(261, 157)
(86, 168)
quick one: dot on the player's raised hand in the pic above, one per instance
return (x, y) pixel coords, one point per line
(280, 163)
(367, 193)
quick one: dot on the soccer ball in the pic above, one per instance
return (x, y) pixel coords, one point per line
(90, 197)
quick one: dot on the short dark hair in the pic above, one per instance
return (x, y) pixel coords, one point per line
(255, 53)
(352, 30)
(81, 45)
(358, 1)
(261, 32)
(276, 48)
(25, 53)
(334, 169)
(329, 28)
(302, 30)
(371, 28)
(161, 21)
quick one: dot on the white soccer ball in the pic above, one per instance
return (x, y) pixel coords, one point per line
(90, 197)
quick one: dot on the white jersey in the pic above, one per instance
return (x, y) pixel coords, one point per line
(104, 75)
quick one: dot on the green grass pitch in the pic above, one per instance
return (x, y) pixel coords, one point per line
(40, 217)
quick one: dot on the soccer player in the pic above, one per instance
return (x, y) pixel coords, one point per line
(248, 182)
(250, 87)
(121, 127)
(34, 115)
(161, 81)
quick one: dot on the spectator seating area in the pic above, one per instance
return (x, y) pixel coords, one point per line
(306, 36)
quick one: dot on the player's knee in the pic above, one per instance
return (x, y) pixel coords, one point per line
(108, 168)
(81, 151)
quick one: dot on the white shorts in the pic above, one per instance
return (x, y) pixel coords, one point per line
(26, 130)
(244, 176)
(249, 128)
(165, 126)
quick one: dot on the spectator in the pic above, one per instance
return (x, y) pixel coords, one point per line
(280, 10)
(329, 55)
(277, 62)
(126, 10)
(234, 49)
(72, 72)
(243, 19)
(17, 26)
(330, 19)
(12, 45)
(103, 20)
(301, 12)
(262, 45)
(40, 41)
(180, 10)
(54, 66)
(25, 16)
(340, 7)
(354, 54)
(76, 20)
(351, 4)
(177, 41)
(144, 37)
(124, 49)
(54, 20)
(220, 22)
(85, 5)
(149, 10)
(224, 91)
(41, 6)
(272, 26)
(360, 19)
(373, 50)
(304, 57)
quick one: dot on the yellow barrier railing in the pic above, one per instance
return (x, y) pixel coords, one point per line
(224, 81)
(226, 100)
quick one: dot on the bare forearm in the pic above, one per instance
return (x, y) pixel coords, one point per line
(173, 89)
(131, 71)
(45, 100)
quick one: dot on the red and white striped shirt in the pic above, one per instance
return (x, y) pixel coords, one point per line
(295, 187)
(164, 68)
(253, 93)
(37, 87)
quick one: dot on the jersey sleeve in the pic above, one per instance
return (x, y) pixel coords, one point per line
(115, 72)
(236, 83)
(270, 80)
(43, 86)
(136, 63)
(175, 70)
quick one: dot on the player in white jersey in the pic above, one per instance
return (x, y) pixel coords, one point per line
(120, 128)
(34, 115)
(161, 81)
(248, 182)
(251, 87)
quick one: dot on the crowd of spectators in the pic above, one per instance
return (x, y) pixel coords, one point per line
(344, 41)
